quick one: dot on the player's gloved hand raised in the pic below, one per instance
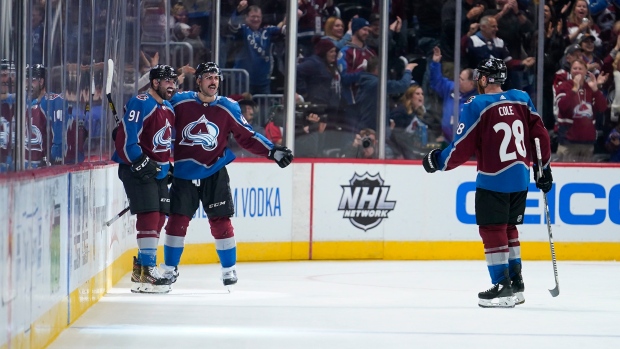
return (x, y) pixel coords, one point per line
(144, 168)
(545, 182)
(430, 161)
(283, 156)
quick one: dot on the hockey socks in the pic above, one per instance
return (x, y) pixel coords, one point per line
(496, 250)
(227, 251)
(147, 247)
(173, 249)
(176, 229)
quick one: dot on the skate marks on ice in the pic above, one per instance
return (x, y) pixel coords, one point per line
(120, 293)
(350, 304)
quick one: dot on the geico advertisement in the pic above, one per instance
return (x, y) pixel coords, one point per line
(262, 197)
(404, 203)
(376, 202)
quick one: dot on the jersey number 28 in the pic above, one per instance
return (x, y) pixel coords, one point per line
(514, 134)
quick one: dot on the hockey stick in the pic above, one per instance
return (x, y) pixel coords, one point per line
(108, 89)
(118, 215)
(108, 93)
(556, 291)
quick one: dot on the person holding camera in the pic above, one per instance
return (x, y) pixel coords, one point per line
(363, 146)
(310, 124)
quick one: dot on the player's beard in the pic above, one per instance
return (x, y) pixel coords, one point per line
(165, 94)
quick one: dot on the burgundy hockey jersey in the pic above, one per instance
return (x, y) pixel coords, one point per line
(201, 135)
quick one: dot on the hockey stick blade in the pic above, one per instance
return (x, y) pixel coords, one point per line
(119, 215)
(108, 89)
(556, 290)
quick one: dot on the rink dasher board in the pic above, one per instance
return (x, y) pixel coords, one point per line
(386, 210)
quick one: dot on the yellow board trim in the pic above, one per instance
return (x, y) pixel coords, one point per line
(396, 250)
(45, 329)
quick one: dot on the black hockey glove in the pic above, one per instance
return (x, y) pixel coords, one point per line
(430, 161)
(170, 173)
(114, 132)
(546, 181)
(283, 156)
(144, 168)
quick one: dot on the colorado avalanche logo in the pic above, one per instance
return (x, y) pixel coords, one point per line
(583, 111)
(35, 143)
(162, 139)
(201, 132)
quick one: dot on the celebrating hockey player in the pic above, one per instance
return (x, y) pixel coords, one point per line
(143, 141)
(203, 123)
(45, 110)
(499, 128)
(7, 80)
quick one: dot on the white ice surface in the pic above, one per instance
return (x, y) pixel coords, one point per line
(357, 304)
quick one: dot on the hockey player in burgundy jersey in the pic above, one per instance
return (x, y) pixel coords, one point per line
(143, 141)
(44, 107)
(499, 128)
(6, 115)
(203, 124)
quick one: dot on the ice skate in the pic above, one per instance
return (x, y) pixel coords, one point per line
(153, 282)
(229, 277)
(498, 296)
(136, 276)
(517, 285)
(170, 273)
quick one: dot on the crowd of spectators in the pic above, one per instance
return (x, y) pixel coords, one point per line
(337, 66)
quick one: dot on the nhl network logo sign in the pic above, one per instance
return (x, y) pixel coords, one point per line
(364, 201)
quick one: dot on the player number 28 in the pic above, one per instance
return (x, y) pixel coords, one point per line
(515, 130)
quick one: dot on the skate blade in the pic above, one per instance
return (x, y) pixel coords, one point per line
(135, 287)
(230, 288)
(161, 289)
(501, 302)
(519, 298)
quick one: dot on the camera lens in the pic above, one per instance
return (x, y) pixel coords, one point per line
(366, 142)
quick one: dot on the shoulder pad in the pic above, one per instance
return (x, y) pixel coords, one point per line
(182, 96)
(226, 101)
